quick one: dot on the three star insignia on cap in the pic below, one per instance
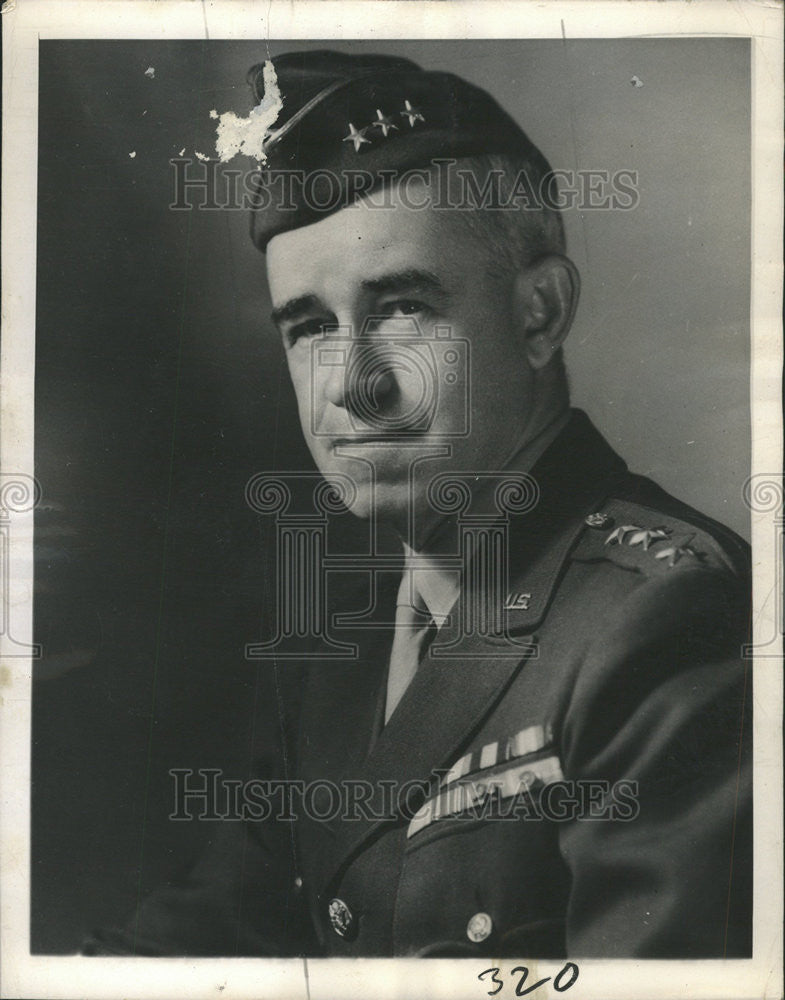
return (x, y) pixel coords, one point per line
(357, 136)
(384, 123)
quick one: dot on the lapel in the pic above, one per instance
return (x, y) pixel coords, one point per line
(451, 695)
(343, 704)
(575, 476)
(436, 717)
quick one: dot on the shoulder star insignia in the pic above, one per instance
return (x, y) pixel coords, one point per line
(619, 534)
(413, 114)
(357, 136)
(383, 122)
(645, 538)
(674, 553)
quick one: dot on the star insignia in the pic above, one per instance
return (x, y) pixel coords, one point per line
(645, 538)
(674, 553)
(383, 122)
(413, 114)
(357, 136)
(619, 534)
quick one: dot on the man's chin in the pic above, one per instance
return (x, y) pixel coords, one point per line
(387, 502)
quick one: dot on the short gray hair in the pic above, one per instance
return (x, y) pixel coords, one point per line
(518, 234)
(515, 235)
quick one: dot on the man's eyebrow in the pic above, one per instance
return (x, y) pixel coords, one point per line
(395, 281)
(398, 281)
(294, 308)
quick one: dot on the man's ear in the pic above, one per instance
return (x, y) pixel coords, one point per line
(546, 297)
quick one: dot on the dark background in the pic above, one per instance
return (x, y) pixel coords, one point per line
(160, 390)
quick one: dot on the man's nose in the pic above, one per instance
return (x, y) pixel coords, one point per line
(364, 383)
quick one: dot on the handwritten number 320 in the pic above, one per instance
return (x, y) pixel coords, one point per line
(562, 981)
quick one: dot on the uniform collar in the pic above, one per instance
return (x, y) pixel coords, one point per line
(575, 474)
(426, 582)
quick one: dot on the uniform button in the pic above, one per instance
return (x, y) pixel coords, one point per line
(598, 520)
(341, 917)
(479, 927)
(298, 883)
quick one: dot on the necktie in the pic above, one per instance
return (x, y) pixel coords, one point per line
(414, 630)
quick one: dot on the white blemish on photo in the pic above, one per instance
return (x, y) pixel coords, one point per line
(246, 135)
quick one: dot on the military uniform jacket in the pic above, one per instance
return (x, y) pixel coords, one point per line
(575, 783)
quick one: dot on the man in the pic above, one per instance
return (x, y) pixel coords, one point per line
(554, 699)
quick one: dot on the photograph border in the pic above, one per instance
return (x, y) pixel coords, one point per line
(28, 21)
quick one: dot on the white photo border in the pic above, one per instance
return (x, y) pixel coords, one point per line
(28, 21)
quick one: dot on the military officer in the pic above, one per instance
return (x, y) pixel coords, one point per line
(564, 724)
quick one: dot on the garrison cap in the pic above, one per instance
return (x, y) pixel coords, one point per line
(351, 123)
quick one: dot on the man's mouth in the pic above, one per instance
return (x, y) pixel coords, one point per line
(362, 438)
(355, 439)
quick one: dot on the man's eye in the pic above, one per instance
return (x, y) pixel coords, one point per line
(308, 328)
(406, 307)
